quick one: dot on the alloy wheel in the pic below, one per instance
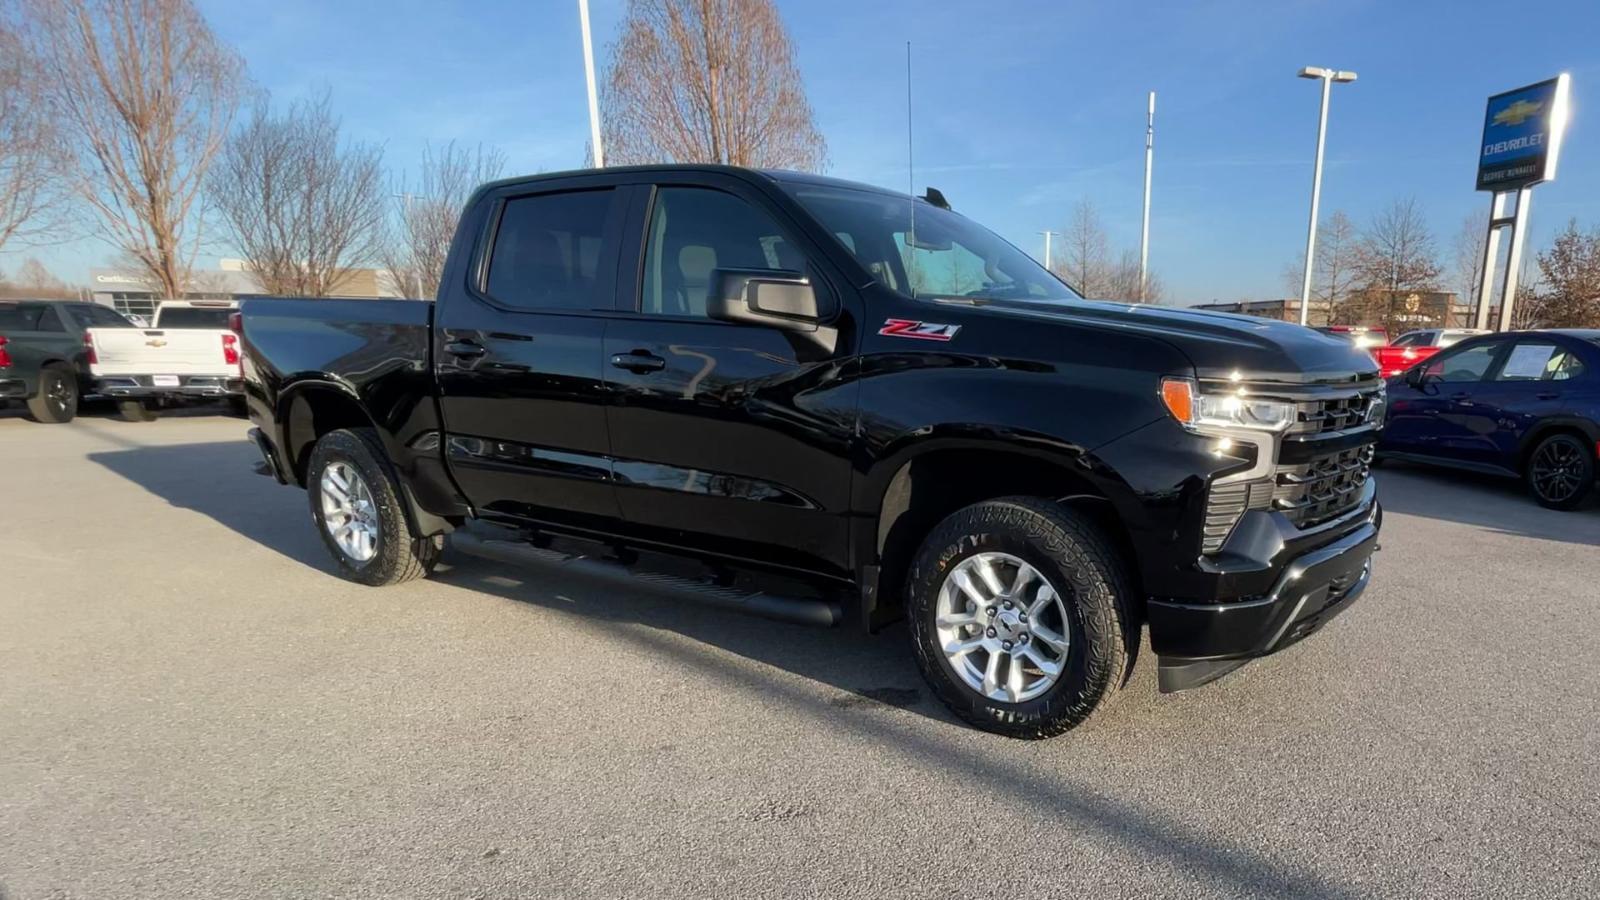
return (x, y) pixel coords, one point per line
(348, 512)
(1002, 626)
(1558, 469)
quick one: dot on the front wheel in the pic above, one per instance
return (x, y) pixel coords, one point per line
(355, 502)
(56, 401)
(1018, 616)
(1560, 472)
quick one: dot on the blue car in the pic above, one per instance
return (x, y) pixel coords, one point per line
(1524, 404)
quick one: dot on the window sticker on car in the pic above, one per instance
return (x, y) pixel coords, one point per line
(922, 331)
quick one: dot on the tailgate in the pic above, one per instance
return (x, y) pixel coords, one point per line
(155, 351)
(1394, 360)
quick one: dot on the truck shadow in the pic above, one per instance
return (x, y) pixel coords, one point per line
(218, 480)
(876, 681)
(872, 678)
(1483, 501)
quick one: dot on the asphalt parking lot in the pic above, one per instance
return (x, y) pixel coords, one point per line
(191, 705)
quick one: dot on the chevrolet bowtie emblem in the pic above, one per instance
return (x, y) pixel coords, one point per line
(1517, 113)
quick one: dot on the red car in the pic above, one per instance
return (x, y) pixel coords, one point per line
(1415, 346)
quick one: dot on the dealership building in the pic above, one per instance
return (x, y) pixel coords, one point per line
(136, 293)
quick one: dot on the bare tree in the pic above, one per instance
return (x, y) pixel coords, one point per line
(32, 163)
(419, 237)
(1122, 281)
(1335, 276)
(1396, 253)
(34, 280)
(1467, 254)
(302, 210)
(708, 81)
(145, 94)
(1084, 262)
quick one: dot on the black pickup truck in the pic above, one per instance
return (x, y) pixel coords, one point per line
(845, 388)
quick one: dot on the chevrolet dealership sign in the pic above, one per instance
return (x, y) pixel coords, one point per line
(1522, 136)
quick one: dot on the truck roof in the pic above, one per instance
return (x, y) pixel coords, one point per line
(771, 175)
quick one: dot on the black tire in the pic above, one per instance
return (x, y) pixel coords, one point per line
(56, 401)
(398, 557)
(1560, 471)
(136, 411)
(1068, 549)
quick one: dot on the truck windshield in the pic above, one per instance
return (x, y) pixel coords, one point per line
(947, 255)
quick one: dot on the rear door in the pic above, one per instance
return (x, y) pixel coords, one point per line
(517, 351)
(729, 436)
(1539, 378)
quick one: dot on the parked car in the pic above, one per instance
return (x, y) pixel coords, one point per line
(1415, 346)
(1523, 404)
(1369, 339)
(774, 372)
(188, 354)
(44, 354)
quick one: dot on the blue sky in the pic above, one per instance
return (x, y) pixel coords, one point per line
(1021, 108)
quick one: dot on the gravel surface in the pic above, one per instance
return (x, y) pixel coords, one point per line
(191, 705)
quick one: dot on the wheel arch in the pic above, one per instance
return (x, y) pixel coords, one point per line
(1582, 428)
(929, 481)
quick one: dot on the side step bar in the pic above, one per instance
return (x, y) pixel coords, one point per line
(800, 611)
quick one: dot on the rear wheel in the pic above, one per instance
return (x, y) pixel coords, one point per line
(56, 401)
(1560, 471)
(136, 411)
(355, 502)
(1018, 616)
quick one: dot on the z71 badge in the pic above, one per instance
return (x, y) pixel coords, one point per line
(922, 331)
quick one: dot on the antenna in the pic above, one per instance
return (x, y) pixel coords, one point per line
(911, 181)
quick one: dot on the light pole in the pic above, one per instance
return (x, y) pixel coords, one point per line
(1328, 76)
(1047, 235)
(1144, 227)
(588, 74)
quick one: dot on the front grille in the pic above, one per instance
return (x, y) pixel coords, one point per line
(1332, 414)
(1323, 488)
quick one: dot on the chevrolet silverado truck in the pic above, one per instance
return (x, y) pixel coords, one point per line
(44, 354)
(188, 354)
(861, 394)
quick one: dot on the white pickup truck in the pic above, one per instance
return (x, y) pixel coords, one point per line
(189, 353)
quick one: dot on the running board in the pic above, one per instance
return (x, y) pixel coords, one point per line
(800, 611)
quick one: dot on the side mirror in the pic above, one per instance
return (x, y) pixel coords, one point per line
(772, 297)
(1414, 376)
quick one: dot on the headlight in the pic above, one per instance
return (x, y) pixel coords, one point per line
(1236, 410)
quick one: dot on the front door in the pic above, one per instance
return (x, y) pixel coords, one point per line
(518, 351)
(729, 436)
(1435, 416)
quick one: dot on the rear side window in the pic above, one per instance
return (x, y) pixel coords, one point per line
(28, 317)
(192, 317)
(1539, 361)
(1411, 339)
(547, 251)
(93, 316)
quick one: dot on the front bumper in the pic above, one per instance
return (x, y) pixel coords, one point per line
(1200, 642)
(188, 386)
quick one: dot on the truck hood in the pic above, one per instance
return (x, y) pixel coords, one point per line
(1218, 344)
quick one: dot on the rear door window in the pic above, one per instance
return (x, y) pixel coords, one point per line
(551, 251)
(1539, 361)
(91, 315)
(28, 317)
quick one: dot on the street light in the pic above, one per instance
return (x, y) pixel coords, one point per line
(1328, 77)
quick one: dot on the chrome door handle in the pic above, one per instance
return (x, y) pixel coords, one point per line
(638, 362)
(465, 349)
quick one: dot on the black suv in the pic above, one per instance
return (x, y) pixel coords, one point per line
(787, 373)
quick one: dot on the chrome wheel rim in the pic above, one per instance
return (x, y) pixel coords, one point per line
(1002, 626)
(348, 512)
(1558, 469)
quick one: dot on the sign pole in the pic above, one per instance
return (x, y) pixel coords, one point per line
(588, 77)
(1491, 253)
(1316, 197)
(1519, 228)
